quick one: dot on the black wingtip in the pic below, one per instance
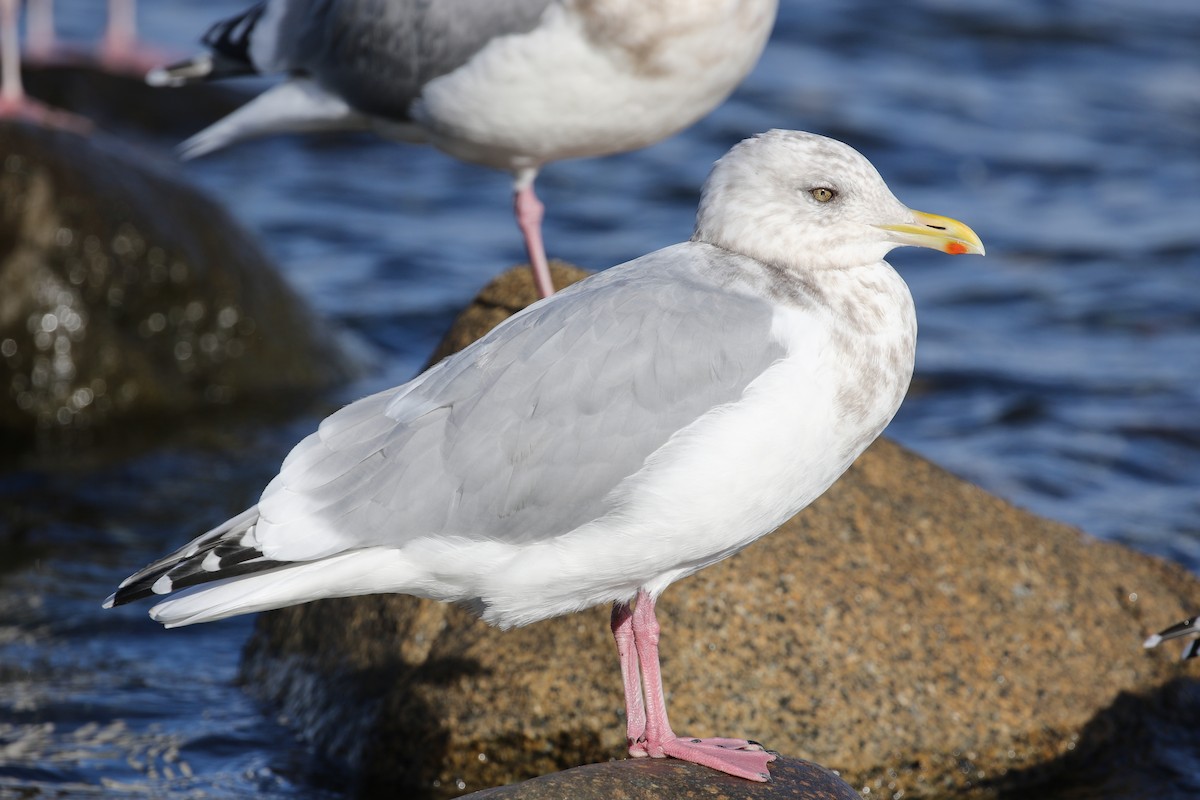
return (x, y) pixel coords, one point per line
(230, 38)
(1187, 626)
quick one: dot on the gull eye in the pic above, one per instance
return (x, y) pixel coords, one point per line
(822, 194)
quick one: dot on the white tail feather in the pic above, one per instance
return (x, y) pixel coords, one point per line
(296, 106)
(354, 573)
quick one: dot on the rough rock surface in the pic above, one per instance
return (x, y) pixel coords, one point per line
(656, 779)
(909, 630)
(123, 291)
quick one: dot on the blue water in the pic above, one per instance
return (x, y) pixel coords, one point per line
(1060, 372)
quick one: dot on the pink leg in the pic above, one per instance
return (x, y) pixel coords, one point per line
(14, 104)
(11, 90)
(40, 41)
(42, 46)
(529, 211)
(736, 757)
(120, 50)
(635, 712)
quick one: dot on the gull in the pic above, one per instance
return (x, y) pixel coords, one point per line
(508, 84)
(605, 442)
(1179, 630)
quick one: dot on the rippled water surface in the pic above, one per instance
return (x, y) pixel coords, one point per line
(1059, 372)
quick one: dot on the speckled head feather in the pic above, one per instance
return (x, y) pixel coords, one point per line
(759, 201)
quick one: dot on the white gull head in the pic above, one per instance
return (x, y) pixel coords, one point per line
(806, 202)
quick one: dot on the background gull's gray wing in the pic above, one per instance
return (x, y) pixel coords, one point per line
(522, 435)
(378, 54)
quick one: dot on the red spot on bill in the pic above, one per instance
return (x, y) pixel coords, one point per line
(956, 248)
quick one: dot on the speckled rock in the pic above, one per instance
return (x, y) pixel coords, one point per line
(506, 295)
(909, 630)
(123, 291)
(655, 779)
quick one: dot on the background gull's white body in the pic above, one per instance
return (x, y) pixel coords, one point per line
(593, 79)
(509, 84)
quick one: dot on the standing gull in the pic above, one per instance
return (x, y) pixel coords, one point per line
(509, 84)
(640, 425)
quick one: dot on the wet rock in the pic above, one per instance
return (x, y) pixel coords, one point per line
(124, 101)
(909, 630)
(654, 779)
(125, 293)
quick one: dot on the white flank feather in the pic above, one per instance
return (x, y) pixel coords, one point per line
(357, 572)
(295, 106)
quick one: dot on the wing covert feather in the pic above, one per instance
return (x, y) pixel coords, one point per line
(379, 54)
(523, 435)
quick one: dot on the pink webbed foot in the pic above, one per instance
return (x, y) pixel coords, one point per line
(648, 732)
(736, 757)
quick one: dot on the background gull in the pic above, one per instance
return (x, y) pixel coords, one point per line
(643, 424)
(509, 84)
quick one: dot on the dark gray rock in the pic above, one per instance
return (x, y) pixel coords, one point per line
(125, 293)
(655, 779)
(124, 102)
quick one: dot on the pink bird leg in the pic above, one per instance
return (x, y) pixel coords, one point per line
(120, 50)
(631, 676)
(529, 211)
(14, 103)
(737, 757)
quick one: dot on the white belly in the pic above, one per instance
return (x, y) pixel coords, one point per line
(567, 90)
(730, 478)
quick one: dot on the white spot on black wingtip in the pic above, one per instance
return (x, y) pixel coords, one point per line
(108, 603)
(1154, 640)
(158, 77)
(211, 563)
(162, 585)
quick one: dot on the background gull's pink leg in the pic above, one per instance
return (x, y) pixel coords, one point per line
(737, 757)
(41, 43)
(530, 211)
(121, 51)
(635, 711)
(14, 103)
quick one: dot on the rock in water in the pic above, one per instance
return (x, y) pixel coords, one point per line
(124, 102)
(124, 293)
(655, 779)
(911, 631)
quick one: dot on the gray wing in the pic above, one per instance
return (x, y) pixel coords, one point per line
(378, 54)
(524, 434)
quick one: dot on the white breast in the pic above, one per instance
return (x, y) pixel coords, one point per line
(594, 78)
(734, 475)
